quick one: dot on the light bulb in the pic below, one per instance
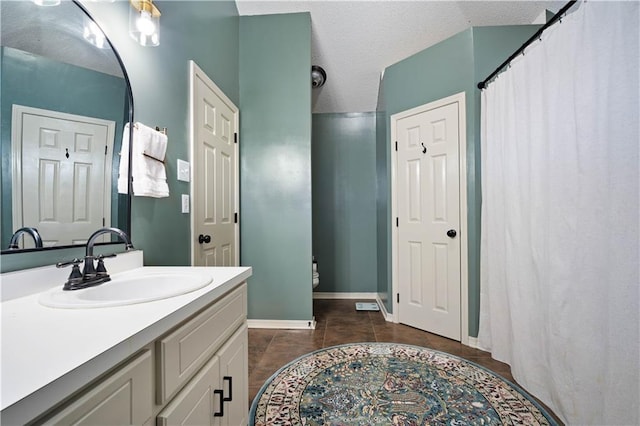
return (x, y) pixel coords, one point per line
(47, 2)
(144, 23)
(94, 35)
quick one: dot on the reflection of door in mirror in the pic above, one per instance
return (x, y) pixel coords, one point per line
(61, 174)
(46, 63)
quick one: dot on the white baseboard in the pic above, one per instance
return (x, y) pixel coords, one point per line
(330, 295)
(383, 309)
(475, 343)
(283, 324)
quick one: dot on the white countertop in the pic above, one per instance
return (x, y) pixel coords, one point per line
(46, 353)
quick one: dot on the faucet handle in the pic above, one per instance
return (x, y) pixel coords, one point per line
(74, 262)
(105, 256)
(75, 278)
(101, 270)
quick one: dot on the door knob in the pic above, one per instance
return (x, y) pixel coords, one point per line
(204, 239)
(451, 233)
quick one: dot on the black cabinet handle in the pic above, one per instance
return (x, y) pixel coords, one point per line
(220, 393)
(230, 380)
(204, 239)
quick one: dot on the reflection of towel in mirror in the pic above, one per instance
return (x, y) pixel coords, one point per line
(149, 176)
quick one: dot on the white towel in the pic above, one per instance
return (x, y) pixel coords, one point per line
(149, 176)
(154, 143)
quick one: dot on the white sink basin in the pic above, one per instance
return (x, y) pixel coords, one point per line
(128, 288)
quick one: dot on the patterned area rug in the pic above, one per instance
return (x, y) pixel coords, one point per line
(390, 384)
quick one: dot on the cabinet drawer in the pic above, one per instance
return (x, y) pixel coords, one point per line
(125, 397)
(182, 352)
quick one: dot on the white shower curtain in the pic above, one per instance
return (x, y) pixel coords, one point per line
(560, 219)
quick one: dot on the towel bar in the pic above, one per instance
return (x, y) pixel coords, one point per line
(158, 129)
(153, 158)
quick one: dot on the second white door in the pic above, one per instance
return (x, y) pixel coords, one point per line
(62, 182)
(215, 174)
(428, 218)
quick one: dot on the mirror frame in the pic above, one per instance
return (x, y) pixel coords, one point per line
(129, 97)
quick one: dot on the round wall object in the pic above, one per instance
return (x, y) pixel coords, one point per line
(318, 76)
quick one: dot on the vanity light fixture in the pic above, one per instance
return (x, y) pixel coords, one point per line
(144, 22)
(93, 34)
(47, 2)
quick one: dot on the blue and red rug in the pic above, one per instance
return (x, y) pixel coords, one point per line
(390, 384)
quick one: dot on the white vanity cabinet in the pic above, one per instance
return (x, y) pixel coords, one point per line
(213, 344)
(194, 374)
(123, 398)
(218, 393)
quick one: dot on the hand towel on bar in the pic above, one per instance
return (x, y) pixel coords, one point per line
(154, 143)
(149, 176)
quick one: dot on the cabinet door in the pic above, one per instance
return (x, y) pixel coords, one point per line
(123, 398)
(234, 373)
(184, 351)
(197, 402)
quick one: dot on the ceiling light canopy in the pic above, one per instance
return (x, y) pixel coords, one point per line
(144, 22)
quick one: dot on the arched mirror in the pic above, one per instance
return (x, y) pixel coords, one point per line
(65, 100)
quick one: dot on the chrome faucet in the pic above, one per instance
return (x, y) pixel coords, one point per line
(91, 274)
(119, 232)
(13, 244)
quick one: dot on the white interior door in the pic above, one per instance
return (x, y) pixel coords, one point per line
(428, 218)
(61, 174)
(215, 173)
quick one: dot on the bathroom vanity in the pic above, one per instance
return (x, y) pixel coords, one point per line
(181, 358)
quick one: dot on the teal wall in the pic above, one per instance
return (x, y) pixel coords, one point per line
(449, 67)
(344, 201)
(383, 204)
(434, 73)
(205, 31)
(275, 162)
(27, 81)
(262, 63)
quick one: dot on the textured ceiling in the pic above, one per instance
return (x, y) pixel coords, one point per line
(55, 33)
(355, 40)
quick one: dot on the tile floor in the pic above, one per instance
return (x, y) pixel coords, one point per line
(338, 322)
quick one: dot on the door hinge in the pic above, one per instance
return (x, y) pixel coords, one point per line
(106, 149)
(235, 138)
(396, 145)
(235, 218)
(397, 222)
(397, 297)
(104, 222)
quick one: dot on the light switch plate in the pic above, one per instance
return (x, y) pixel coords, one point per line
(185, 203)
(183, 170)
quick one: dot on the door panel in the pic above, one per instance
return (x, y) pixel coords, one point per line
(233, 365)
(215, 175)
(64, 182)
(197, 402)
(428, 206)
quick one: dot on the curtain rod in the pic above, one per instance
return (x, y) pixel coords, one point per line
(556, 17)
